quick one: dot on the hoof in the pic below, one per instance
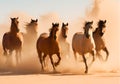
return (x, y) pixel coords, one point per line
(56, 64)
(86, 72)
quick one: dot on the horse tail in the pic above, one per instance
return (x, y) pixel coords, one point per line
(4, 44)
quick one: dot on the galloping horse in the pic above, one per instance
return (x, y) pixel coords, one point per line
(62, 39)
(30, 37)
(98, 38)
(84, 43)
(13, 39)
(48, 45)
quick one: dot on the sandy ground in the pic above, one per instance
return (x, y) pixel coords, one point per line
(102, 78)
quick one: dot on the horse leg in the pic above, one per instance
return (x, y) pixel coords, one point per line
(10, 52)
(17, 56)
(93, 54)
(85, 63)
(5, 51)
(52, 62)
(44, 58)
(59, 59)
(20, 55)
(107, 52)
(40, 59)
(75, 54)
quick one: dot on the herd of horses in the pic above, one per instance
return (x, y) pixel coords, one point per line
(90, 41)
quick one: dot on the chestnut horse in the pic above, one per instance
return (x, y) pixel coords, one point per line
(13, 40)
(83, 43)
(98, 38)
(47, 45)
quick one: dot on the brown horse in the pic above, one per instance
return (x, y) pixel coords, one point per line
(62, 39)
(13, 40)
(48, 45)
(30, 37)
(84, 43)
(98, 38)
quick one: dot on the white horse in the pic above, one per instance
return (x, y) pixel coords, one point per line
(30, 37)
(83, 43)
(98, 38)
(62, 39)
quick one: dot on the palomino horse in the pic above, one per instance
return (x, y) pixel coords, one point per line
(13, 40)
(30, 37)
(62, 39)
(48, 45)
(84, 43)
(98, 38)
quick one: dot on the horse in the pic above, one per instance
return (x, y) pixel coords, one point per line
(98, 38)
(48, 45)
(83, 43)
(13, 40)
(62, 39)
(30, 37)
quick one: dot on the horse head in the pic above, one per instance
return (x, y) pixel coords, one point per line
(14, 25)
(34, 22)
(64, 30)
(87, 28)
(102, 26)
(32, 26)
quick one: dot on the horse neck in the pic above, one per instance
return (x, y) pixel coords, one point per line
(97, 31)
(61, 38)
(52, 34)
(12, 29)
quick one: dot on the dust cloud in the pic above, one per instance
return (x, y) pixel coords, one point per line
(99, 9)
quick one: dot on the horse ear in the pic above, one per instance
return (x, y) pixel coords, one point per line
(91, 22)
(11, 18)
(105, 21)
(17, 18)
(62, 24)
(36, 20)
(52, 24)
(58, 24)
(67, 24)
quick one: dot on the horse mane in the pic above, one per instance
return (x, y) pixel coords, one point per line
(86, 23)
(51, 30)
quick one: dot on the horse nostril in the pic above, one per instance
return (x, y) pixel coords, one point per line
(88, 36)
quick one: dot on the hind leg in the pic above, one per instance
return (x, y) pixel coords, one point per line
(44, 58)
(17, 59)
(85, 61)
(10, 52)
(107, 53)
(5, 53)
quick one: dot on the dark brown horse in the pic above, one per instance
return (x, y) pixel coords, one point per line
(83, 43)
(98, 38)
(48, 45)
(13, 40)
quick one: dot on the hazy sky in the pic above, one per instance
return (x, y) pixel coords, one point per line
(65, 8)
